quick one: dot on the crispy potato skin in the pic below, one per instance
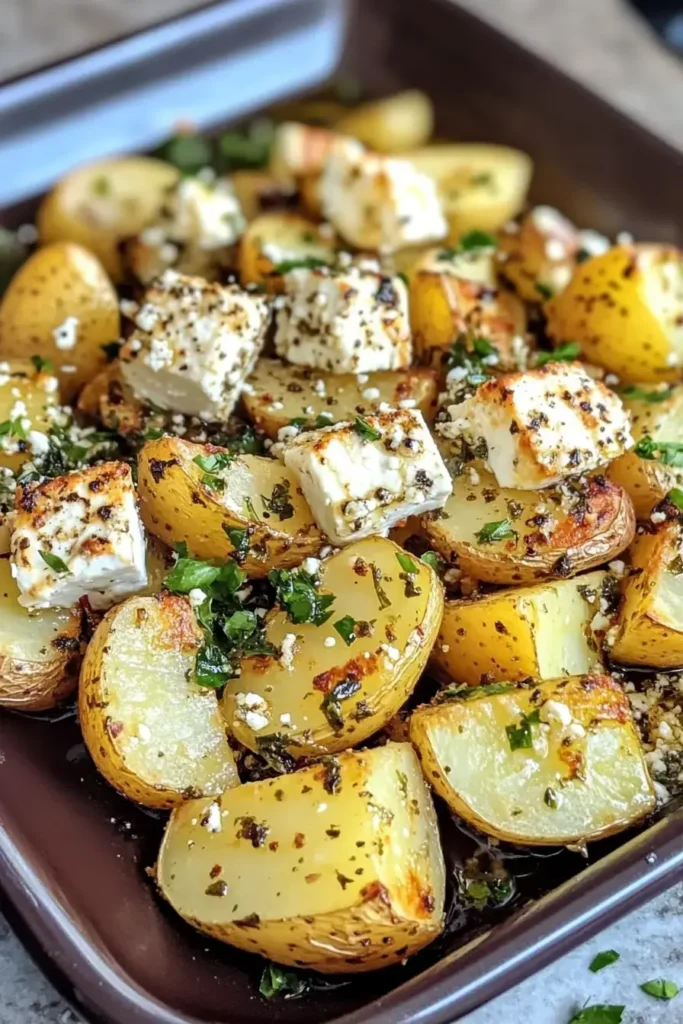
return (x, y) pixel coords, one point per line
(600, 774)
(578, 539)
(177, 507)
(526, 264)
(109, 714)
(331, 916)
(609, 309)
(57, 281)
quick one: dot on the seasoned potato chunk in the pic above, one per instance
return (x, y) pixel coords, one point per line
(399, 122)
(543, 632)
(336, 867)
(277, 394)
(651, 620)
(503, 535)
(625, 309)
(335, 684)
(538, 256)
(552, 764)
(199, 502)
(275, 241)
(155, 735)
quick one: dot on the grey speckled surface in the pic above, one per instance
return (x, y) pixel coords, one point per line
(607, 47)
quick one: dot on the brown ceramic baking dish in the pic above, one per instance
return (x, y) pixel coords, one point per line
(72, 852)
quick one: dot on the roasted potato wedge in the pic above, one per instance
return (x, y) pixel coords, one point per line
(542, 632)
(278, 393)
(651, 619)
(454, 293)
(274, 239)
(38, 391)
(399, 122)
(324, 697)
(259, 191)
(481, 186)
(547, 765)
(100, 204)
(155, 735)
(177, 505)
(625, 309)
(61, 306)
(657, 413)
(538, 255)
(336, 867)
(40, 653)
(109, 399)
(554, 532)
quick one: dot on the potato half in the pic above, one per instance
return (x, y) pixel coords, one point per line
(651, 619)
(177, 505)
(399, 122)
(155, 735)
(545, 533)
(336, 867)
(481, 186)
(540, 632)
(100, 204)
(546, 765)
(61, 306)
(278, 393)
(625, 309)
(40, 653)
(328, 694)
(657, 413)
(277, 238)
(20, 382)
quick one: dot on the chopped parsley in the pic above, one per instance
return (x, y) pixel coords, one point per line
(520, 737)
(675, 496)
(603, 959)
(13, 428)
(660, 989)
(599, 1013)
(346, 628)
(465, 692)
(217, 580)
(406, 562)
(299, 263)
(276, 981)
(643, 395)
(212, 465)
(331, 702)
(474, 356)
(472, 241)
(365, 431)
(55, 563)
(212, 666)
(239, 538)
(297, 592)
(434, 560)
(250, 149)
(42, 365)
(567, 352)
(279, 503)
(669, 453)
(492, 532)
(189, 153)
(486, 892)
(544, 290)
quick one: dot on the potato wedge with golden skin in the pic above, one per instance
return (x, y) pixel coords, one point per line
(277, 393)
(276, 238)
(625, 310)
(40, 653)
(651, 617)
(524, 259)
(557, 763)
(57, 282)
(153, 733)
(481, 186)
(259, 192)
(457, 295)
(556, 532)
(109, 399)
(100, 204)
(659, 416)
(306, 695)
(540, 632)
(336, 867)
(400, 122)
(39, 391)
(177, 506)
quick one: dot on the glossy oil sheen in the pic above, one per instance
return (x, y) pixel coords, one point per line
(73, 853)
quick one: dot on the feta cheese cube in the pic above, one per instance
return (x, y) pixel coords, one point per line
(379, 202)
(299, 150)
(349, 320)
(361, 479)
(194, 344)
(540, 426)
(77, 536)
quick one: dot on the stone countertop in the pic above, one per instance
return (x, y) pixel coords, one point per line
(609, 49)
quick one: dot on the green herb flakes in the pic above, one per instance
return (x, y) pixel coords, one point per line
(567, 352)
(520, 737)
(603, 959)
(669, 453)
(331, 705)
(365, 431)
(276, 981)
(497, 531)
(660, 989)
(55, 563)
(600, 1013)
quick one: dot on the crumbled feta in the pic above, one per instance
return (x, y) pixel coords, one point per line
(66, 335)
(362, 326)
(379, 202)
(287, 648)
(542, 425)
(203, 214)
(299, 150)
(555, 710)
(88, 521)
(39, 442)
(212, 819)
(196, 597)
(329, 641)
(198, 342)
(357, 486)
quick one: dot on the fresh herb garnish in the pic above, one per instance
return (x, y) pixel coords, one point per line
(567, 352)
(212, 666)
(669, 453)
(603, 959)
(189, 153)
(297, 592)
(331, 702)
(472, 241)
(544, 290)
(42, 365)
(551, 798)
(365, 431)
(276, 981)
(212, 465)
(465, 692)
(643, 395)
(492, 532)
(346, 628)
(55, 563)
(486, 892)
(660, 989)
(279, 503)
(520, 737)
(473, 356)
(599, 1013)
(239, 150)
(13, 428)
(239, 538)
(435, 561)
(299, 263)
(406, 562)
(217, 580)
(675, 496)
(153, 434)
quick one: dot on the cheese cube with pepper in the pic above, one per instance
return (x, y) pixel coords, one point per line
(362, 478)
(78, 536)
(193, 345)
(540, 426)
(353, 319)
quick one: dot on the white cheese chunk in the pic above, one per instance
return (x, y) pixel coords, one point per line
(357, 484)
(542, 425)
(351, 320)
(379, 202)
(299, 150)
(194, 344)
(77, 536)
